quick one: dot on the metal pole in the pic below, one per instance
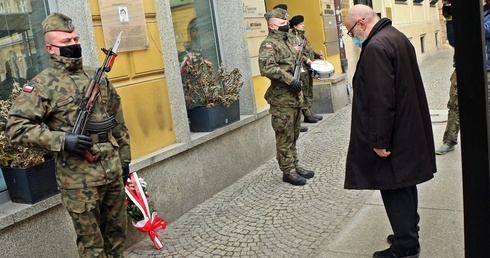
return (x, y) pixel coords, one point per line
(470, 56)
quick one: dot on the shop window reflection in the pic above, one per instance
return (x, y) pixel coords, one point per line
(22, 53)
(195, 34)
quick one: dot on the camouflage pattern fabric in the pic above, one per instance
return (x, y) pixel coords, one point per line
(99, 217)
(57, 22)
(286, 123)
(306, 78)
(92, 193)
(54, 100)
(276, 12)
(450, 137)
(276, 62)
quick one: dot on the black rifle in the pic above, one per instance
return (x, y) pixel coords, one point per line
(299, 60)
(88, 100)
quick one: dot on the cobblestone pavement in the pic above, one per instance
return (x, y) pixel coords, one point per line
(260, 216)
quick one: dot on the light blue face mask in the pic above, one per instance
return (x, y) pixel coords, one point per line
(357, 41)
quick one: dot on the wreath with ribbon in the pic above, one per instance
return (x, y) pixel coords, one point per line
(143, 216)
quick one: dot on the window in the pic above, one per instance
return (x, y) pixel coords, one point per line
(418, 1)
(364, 2)
(422, 43)
(22, 53)
(433, 3)
(437, 38)
(195, 30)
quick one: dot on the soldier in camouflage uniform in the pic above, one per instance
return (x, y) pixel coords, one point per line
(452, 128)
(276, 62)
(93, 193)
(450, 137)
(298, 33)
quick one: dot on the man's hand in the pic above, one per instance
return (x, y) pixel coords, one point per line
(296, 85)
(382, 152)
(321, 55)
(77, 143)
(125, 171)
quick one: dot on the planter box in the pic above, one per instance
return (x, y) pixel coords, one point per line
(207, 119)
(32, 184)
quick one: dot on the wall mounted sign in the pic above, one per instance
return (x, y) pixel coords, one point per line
(127, 16)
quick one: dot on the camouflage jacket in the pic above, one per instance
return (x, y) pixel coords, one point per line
(308, 51)
(276, 62)
(52, 98)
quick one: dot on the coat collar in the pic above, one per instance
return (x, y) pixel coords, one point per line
(382, 23)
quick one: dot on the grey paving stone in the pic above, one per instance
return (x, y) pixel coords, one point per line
(260, 216)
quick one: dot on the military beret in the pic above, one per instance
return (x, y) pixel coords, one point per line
(296, 20)
(276, 13)
(281, 6)
(57, 22)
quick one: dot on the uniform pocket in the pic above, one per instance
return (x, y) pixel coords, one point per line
(79, 200)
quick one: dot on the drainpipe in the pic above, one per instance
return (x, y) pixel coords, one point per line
(338, 19)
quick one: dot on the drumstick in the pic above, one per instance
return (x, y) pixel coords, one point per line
(321, 54)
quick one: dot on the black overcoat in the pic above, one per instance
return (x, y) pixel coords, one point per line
(390, 111)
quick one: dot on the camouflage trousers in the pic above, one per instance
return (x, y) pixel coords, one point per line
(452, 127)
(286, 123)
(99, 217)
(307, 89)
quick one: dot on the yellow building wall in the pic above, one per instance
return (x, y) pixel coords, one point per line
(261, 84)
(314, 31)
(314, 28)
(401, 13)
(418, 13)
(139, 77)
(182, 16)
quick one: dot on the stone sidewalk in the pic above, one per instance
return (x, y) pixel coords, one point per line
(260, 216)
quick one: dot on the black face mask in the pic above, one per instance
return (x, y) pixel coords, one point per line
(70, 51)
(284, 28)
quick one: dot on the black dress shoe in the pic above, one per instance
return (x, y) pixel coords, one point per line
(293, 178)
(305, 173)
(311, 119)
(392, 253)
(318, 117)
(303, 129)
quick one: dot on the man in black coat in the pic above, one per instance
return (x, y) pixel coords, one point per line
(391, 144)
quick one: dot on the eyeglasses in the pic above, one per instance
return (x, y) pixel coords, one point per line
(349, 33)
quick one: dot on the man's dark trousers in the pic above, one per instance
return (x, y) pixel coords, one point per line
(401, 207)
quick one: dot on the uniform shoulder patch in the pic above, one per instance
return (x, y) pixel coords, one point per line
(27, 88)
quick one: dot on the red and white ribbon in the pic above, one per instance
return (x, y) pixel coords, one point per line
(151, 222)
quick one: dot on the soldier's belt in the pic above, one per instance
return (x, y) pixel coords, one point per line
(101, 126)
(100, 137)
(277, 83)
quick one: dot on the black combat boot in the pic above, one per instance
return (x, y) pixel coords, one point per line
(305, 173)
(303, 129)
(310, 119)
(293, 178)
(318, 117)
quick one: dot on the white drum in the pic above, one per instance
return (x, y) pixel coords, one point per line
(322, 70)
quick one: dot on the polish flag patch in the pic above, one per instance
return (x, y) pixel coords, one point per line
(27, 88)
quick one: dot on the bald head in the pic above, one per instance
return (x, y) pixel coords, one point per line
(364, 15)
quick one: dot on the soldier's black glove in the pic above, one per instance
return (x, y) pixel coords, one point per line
(77, 143)
(125, 171)
(296, 85)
